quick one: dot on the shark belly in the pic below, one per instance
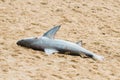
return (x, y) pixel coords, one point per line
(61, 45)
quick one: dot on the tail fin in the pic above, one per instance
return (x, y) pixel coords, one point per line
(97, 57)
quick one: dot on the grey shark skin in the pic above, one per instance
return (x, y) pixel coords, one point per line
(51, 45)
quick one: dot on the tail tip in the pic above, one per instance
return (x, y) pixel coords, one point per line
(99, 58)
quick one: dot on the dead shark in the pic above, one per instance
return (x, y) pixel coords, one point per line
(50, 45)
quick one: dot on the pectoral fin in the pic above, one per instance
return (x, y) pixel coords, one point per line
(51, 33)
(50, 51)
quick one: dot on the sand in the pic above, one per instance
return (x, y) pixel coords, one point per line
(95, 22)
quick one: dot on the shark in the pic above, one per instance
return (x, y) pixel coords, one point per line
(50, 45)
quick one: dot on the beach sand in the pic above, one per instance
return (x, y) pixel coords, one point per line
(95, 22)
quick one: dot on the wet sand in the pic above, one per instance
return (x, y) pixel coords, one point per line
(95, 22)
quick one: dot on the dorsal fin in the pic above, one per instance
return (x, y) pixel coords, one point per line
(79, 43)
(51, 33)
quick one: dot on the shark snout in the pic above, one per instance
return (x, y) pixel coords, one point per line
(20, 42)
(23, 43)
(26, 42)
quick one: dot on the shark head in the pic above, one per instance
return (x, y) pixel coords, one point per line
(26, 42)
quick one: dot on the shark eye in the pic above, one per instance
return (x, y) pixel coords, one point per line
(36, 37)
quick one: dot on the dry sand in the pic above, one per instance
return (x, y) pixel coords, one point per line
(96, 22)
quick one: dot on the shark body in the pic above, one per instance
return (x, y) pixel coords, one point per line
(51, 45)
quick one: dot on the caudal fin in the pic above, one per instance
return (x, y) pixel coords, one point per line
(97, 57)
